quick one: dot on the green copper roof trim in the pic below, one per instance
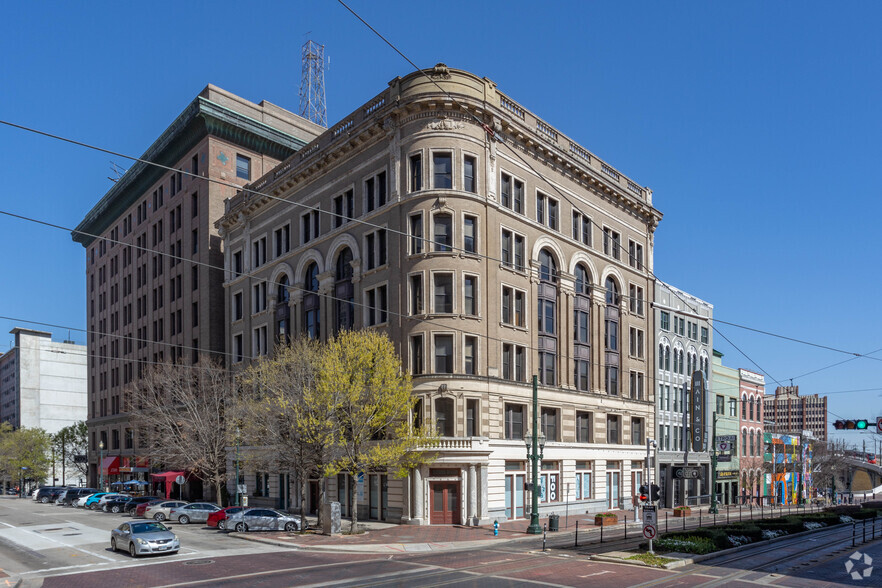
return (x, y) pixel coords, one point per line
(202, 117)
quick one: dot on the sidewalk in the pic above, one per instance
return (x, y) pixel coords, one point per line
(390, 538)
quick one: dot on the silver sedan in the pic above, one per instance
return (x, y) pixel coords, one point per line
(263, 519)
(197, 512)
(141, 538)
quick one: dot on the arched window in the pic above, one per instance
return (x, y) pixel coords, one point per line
(744, 407)
(661, 356)
(282, 289)
(611, 339)
(547, 318)
(311, 321)
(582, 330)
(759, 409)
(667, 358)
(344, 294)
(752, 447)
(283, 312)
(751, 408)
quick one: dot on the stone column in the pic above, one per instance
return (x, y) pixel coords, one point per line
(483, 512)
(417, 497)
(473, 496)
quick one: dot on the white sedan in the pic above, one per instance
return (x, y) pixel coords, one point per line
(263, 519)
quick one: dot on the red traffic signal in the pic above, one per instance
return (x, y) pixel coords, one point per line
(643, 494)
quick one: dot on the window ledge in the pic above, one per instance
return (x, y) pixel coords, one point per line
(512, 269)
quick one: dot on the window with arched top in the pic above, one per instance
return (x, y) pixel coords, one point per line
(282, 289)
(344, 292)
(282, 311)
(311, 320)
(759, 409)
(744, 407)
(546, 314)
(582, 330)
(751, 402)
(611, 337)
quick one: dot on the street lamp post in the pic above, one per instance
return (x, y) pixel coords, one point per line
(538, 442)
(21, 481)
(237, 467)
(101, 465)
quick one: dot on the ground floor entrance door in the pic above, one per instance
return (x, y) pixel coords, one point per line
(514, 496)
(612, 489)
(445, 503)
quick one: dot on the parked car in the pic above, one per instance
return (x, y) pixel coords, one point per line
(39, 492)
(10, 491)
(142, 508)
(141, 538)
(262, 519)
(71, 495)
(137, 501)
(81, 501)
(102, 502)
(219, 518)
(196, 512)
(116, 505)
(160, 510)
(93, 499)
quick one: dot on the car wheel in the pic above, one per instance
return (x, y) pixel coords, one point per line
(113, 544)
(132, 551)
(115, 509)
(291, 526)
(222, 525)
(159, 517)
(183, 519)
(241, 527)
(44, 500)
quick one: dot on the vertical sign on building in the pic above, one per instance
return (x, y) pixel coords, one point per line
(696, 410)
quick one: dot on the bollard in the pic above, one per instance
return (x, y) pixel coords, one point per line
(496, 528)
(601, 533)
(626, 528)
(715, 519)
(666, 521)
(853, 532)
(727, 514)
(577, 533)
(740, 519)
(699, 517)
(684, 523)
(864, 532)
(544, 535)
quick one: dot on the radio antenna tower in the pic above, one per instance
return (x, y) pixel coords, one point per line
(312, 84)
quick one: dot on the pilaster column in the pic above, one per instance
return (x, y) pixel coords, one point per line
(482, 502)
(417, 496)
(473, 496)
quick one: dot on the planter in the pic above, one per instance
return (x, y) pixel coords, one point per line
(600, 521)
(682, 512)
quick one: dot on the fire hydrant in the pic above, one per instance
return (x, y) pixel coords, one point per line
(496, 528)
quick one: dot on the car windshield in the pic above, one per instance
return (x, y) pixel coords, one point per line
(148, 528)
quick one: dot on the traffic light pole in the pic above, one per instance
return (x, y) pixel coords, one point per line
(713, 484)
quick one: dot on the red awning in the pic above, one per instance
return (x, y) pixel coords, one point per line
(110, 465)
(168, 478)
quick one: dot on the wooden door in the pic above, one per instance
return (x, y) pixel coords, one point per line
(445, 503)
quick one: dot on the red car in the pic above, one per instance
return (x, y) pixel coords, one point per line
(142, 508)
(218, 519)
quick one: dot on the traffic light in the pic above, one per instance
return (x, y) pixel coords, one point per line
(643, 494)
(654, 492)
(853, 425)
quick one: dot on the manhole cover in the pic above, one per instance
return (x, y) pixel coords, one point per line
(198, 562)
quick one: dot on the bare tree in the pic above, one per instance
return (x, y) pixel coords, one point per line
(181, 411)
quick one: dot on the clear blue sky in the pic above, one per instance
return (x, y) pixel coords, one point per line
(756, 124)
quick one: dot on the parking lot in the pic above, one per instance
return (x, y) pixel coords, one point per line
(44, 539)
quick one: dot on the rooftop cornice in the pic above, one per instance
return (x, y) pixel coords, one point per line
(460, 92)
(200, 118)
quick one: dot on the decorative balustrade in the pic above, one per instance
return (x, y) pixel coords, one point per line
(512, 107)
(635, 188)
(375, 105)
(610, 171)
(580, 152)
(546, 130)
(343, 127)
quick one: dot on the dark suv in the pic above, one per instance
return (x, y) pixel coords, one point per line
(48, 494)
(72, 494)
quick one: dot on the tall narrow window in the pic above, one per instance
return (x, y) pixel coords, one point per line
(311, 324)
(470, 295)
(416, 355)
(611, 342)
(416, 294)
(344, 292)
(243, 167)
(444, 417)
(443, 354)
(416, 172)
(470, 355)
(468, 172)
(547, 318)
(443, 292)
(442, 163)
(472, 418)
(416, 234)
(443, 232)
(469, 229)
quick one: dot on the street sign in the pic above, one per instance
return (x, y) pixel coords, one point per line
(650, 521)
(180, 480)
(724, 457)
(879, 424)
(687, 472)
(243, 489)
(726, 442)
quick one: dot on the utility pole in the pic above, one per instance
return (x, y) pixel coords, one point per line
(535, 456)
(686, 440)
(713, 483)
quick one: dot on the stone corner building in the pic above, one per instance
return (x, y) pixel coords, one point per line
(485, 262)
(154, 259)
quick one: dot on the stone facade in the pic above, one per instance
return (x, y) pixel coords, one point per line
(489, 247)
(752, 448)
(726, 388)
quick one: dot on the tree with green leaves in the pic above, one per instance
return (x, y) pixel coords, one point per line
(24, 454)
(360, 375)
(68, 443)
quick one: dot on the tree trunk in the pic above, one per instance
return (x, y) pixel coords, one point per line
(353, 528)
(323, 497)
(304, 488)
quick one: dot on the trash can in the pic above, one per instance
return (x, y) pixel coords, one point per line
(553, 522)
